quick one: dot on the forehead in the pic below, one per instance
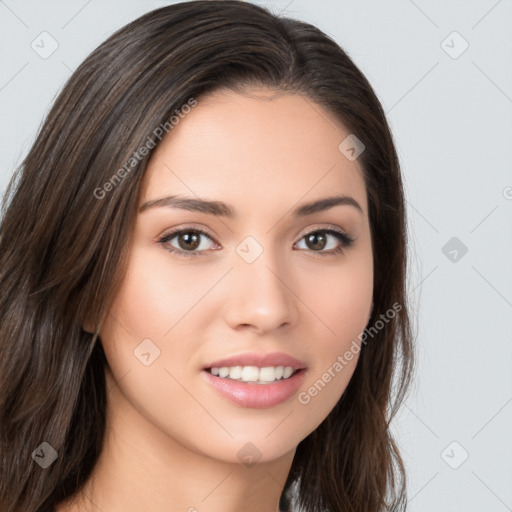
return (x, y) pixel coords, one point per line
(254, 148)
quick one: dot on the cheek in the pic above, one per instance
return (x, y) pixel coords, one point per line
(340, 307)
(141, 339)
(156, 295)
(340, 301)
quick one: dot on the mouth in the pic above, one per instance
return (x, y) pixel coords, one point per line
(254, 374)
(272, 366)
(255, 387)
(256, 380)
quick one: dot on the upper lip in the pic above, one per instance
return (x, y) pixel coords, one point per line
(259, 360)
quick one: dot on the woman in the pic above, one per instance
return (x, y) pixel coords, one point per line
(203, 262)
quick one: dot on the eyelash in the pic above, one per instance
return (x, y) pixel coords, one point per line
(344, 239)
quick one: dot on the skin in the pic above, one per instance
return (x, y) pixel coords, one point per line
(172, 440)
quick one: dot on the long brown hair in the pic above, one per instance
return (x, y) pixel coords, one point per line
(63, 249)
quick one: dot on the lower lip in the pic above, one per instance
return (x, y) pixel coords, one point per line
(257, 396)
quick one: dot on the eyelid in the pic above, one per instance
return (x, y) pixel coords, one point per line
(177, 231)
(169, 235)
(306, 231)
(344, 239)
(324, 227)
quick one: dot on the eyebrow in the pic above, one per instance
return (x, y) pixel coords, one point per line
(221, 209)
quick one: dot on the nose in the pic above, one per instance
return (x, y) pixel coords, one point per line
(260, 296)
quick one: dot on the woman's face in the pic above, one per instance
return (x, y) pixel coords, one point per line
(265, 280)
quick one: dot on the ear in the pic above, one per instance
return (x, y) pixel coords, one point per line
(88, 327)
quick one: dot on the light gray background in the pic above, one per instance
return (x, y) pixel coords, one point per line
(452, 121)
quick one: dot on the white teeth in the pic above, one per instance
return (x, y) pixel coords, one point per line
(268, 374)
(287, 372)
(235, 372)
(250, 373)
(253, 373)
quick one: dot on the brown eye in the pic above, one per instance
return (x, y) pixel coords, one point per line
(316, 241)
(189, 241)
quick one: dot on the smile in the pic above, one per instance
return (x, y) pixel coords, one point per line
(256, 393)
